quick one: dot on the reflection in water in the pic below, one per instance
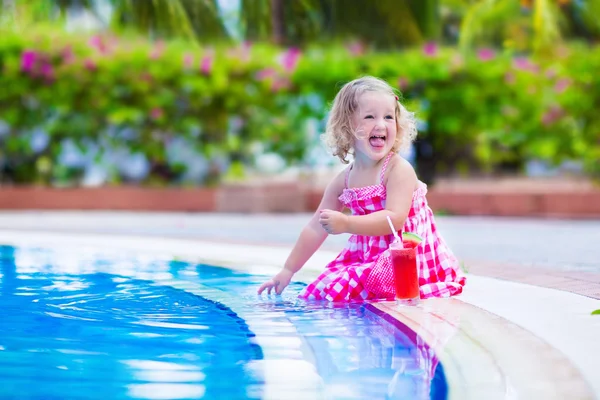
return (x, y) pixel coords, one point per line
(116, 326)
(362, 353)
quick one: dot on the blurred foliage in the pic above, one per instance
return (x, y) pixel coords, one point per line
(524, 25)
(487, 110)
(386, 23)
(520, 25)
(515, 91)
(189, 19)
(376, 22)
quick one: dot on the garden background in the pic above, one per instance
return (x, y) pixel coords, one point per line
(214, 94)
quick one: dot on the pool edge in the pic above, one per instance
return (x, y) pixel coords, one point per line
(264, 260)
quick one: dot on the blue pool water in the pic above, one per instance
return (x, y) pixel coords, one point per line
(88, 324)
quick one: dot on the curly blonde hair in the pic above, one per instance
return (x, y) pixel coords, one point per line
(340, 134)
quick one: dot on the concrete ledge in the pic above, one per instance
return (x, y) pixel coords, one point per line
(504, 360)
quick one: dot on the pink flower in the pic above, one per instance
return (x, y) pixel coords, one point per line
(553, 114)
(289, 59)
(206, 64)
(509, 78)
(207, 61)
(356, 48)
(562, 85)
(90, 65)
(156, 113)
(520, 63)
(188, 61)
(486, 54)
(28, 60)
(265, 74)
(402, 83)
(280, 83)
(68, 56)
(551, 73)
(245, 50)
(97, 42)
(430, 49)
(47, 71)
(524, 64)
(242, 52)
(158, 50)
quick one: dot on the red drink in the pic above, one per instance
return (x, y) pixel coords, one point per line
(406, 277)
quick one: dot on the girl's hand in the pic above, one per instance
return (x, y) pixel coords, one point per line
(278, 282)
(334, 222)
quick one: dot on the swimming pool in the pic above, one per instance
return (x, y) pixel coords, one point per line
(85, 323)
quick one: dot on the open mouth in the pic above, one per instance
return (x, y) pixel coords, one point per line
(377, 140)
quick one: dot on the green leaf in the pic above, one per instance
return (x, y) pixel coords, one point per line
(596, 312)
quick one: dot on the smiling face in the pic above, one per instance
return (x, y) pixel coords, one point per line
(375, 125)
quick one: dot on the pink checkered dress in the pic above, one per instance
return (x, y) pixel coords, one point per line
(363, 270)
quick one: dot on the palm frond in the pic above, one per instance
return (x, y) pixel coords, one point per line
(205, 19)
(546, 25)
(383, 22)
(191, 19)
(427, 16)
(255, 19)
(492, 21)
(474, 21)
(389, 23)
(21, 14)
(588, 12)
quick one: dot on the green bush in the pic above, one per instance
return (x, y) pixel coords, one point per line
(479, 112)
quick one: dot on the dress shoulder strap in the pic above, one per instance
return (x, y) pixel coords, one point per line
(347, 175)
(385, 164)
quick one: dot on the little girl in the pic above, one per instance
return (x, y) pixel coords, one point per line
(368, 122)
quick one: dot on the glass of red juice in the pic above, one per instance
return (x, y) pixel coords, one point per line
(406, 276)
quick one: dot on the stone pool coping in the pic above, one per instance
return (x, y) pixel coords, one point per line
(502, 339)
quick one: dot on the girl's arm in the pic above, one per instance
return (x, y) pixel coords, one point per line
(311, 238)
(400, 185)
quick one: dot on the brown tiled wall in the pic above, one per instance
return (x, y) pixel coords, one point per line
(270, 197)
(107, 198)
(572, 205)
(292, 197)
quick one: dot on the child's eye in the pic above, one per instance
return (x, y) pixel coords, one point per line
(368, 117)
(389, 117)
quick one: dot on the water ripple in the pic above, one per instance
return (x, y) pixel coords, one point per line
(117, 326)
